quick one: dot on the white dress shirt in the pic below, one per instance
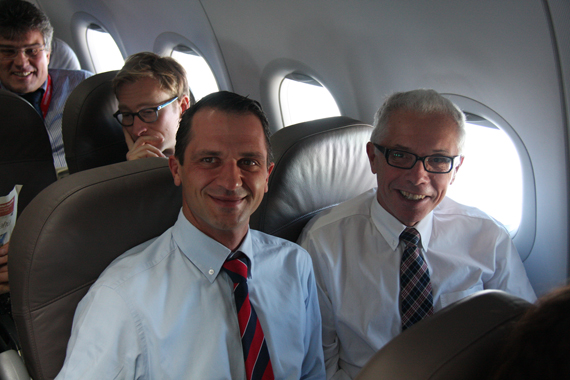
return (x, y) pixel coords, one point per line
(166, 310)
(356, 255)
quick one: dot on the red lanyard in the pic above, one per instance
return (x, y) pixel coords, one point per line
(46, 100)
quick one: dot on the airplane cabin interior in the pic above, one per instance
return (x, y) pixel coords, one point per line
(320, 69)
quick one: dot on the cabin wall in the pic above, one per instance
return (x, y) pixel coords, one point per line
(513, 56)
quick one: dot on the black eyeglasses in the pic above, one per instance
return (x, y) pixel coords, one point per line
(406, 160)
(7, 53)
(147, 115)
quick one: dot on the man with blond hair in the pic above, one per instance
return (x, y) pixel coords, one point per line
(153, 93)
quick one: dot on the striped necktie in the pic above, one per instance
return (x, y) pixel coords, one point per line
(416, 299)
(255, 353)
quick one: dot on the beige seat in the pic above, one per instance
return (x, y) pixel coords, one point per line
(68, 235)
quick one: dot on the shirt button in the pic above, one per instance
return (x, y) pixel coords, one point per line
(211, 271)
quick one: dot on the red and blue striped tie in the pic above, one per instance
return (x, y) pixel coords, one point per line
(255, 353)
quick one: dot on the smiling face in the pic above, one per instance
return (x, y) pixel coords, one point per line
(225, 173)
(410, 195)
(146, 93)
(24, 74)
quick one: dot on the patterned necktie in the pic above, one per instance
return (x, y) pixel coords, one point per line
(416, 299)
(255, 353)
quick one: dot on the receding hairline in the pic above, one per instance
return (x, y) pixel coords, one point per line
(212, 108)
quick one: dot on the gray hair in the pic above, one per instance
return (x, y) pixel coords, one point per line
(423, 101)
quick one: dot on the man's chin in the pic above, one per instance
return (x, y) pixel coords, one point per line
(22, 86)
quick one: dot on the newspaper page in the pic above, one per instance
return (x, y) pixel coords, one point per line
(8, 214)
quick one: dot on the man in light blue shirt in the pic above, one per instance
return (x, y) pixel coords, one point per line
(166, 309)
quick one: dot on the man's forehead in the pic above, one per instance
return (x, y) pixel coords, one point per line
(209, 117)
(32, 37)
(410, 130)
(144, 92)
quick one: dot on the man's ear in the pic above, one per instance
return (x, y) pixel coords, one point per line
(371, 152)
(269, 170)
(455, 169)
(175, 169)
(184, 104)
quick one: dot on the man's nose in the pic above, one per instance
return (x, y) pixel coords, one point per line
(230, 176)
(21, 59)
(139, 127)
(418, 173)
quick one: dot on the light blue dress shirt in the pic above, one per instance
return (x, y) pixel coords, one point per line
(166, 310)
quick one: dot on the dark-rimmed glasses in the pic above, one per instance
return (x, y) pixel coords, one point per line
(147, 115)
(406, 160)
(31, 52)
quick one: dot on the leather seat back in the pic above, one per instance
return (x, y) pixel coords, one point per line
(91, 135)
(25, 150)
(318, 164)
(461, 341)
(68, 235)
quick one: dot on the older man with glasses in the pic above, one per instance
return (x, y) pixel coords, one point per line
(153, 93)
(25, 40)
(398, 253)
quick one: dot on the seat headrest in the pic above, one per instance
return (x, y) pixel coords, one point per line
(458, 342)
(68, 235)
(318, 164)
(62, 56)
(91, 136)
(25, 150)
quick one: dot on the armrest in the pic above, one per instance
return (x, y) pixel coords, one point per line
(12, 366)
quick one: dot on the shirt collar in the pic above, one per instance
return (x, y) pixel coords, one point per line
(390, 228)
(204, 252)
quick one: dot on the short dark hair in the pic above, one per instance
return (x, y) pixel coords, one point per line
(19, 17)
(170, 74)
(224, 101)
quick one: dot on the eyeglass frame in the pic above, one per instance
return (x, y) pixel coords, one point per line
(137, 114)
(21, 49)
(386, 152)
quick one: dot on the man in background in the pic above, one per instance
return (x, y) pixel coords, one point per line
(25, 43)
(153, 93)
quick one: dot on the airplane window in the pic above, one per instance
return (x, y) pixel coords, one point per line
(103, 49)
(200, 77)
(491, 175)
(303, 99)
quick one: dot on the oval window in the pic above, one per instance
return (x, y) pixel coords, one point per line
(491, 175)
(103, 49)
(201, 79)
(303, 98)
